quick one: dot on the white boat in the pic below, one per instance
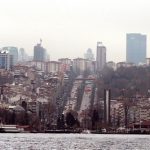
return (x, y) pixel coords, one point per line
(86, 131)
(10, 129)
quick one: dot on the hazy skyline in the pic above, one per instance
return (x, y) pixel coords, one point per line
(69, 27)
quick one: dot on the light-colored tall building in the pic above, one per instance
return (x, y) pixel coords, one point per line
(136, 48)
(6, 60)
(100, 56)
(89, 55)
(22, 55)
(12, 51)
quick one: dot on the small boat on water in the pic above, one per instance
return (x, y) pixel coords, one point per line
(62, 131)
(86, 131)
(11, 129)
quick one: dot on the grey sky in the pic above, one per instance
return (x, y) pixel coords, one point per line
(69, 27)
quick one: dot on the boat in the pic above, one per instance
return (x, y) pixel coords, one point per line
(86, 131)
(62, 131)
(10, 129)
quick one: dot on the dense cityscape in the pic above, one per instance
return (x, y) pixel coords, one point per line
(76, 95)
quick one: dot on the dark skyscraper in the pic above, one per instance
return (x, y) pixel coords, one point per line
(39, 53)
(136, 48)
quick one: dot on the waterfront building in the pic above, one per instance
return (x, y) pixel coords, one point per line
(100, 56)
(117, 114)
(140, 112)
(12, 51)
(136, 48)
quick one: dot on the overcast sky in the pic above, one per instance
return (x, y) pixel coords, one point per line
(69, 27)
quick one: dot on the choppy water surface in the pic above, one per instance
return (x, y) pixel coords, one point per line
(73, 141)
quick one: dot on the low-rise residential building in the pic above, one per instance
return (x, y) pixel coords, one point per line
(117, 114)
(111, 64)
(40, 65)
(124, 64)
(81, 65)
(65, 64)
(53, 66)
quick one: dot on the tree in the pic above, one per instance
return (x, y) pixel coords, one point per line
(70, 120)
(26, 118)
(95, 118)
(24, 105)
(60, 122)
(13, 117)
(128, 78)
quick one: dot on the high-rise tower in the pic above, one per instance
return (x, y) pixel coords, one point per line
(12, 51)
(100, 56)
(136, 48)
(39, 52)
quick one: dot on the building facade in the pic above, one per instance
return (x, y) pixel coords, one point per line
(124, 64)
(100, 56)
(40, 65)
(22, 55)
(89, 55)
(6, 60)
(111, 64)
(136, 48)
(53, 66)
(12, 51)
(39, 53)
(65, 64)
(79, 65)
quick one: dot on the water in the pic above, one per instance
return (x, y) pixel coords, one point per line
(73, 142)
